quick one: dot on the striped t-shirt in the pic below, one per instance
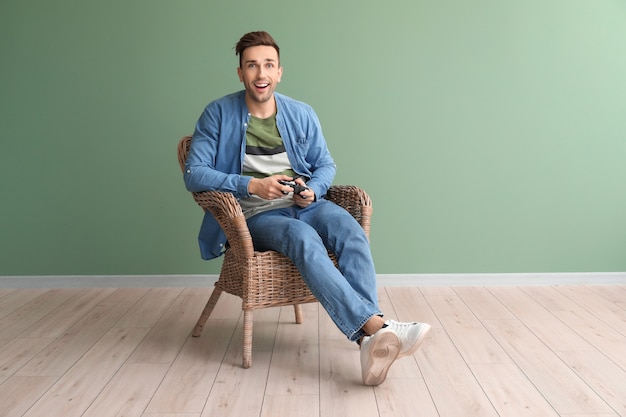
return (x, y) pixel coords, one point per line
(265, 156)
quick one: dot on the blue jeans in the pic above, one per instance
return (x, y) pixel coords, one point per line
(349, 293)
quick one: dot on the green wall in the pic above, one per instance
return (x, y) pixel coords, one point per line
(491, 134)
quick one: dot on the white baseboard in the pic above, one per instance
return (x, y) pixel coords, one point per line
(502, 279)
(384, 280)
(107, 281)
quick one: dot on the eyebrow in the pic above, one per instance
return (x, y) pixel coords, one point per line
(255, 61)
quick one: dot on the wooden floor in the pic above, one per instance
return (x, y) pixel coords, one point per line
(493, 351)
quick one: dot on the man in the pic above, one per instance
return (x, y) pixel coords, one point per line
(250, 142)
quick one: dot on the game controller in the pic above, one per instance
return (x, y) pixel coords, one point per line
(297, 188)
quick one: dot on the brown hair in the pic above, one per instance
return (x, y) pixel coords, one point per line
(255, 39)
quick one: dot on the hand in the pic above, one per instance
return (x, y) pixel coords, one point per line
(305, 198)
(269, 188)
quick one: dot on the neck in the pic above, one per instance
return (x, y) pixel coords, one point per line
(262, 110)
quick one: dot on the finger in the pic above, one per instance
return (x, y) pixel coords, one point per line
(305, 195)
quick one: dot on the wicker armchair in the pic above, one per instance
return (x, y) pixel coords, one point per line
(261, 279)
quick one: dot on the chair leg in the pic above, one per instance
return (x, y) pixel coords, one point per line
(297, 308)
(215, 295)
(247, 338)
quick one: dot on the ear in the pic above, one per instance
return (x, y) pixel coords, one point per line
(280, 73)
(240, 74)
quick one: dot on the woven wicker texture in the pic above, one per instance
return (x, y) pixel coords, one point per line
(261, 279)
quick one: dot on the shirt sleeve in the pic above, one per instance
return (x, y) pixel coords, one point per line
(213, 161)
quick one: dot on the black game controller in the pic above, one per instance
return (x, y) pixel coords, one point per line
(297, 188)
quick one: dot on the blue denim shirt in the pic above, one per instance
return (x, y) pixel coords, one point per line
(215, 159)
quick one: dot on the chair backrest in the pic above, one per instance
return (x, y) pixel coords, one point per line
(183, 150)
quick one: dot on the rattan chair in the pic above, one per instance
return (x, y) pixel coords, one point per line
(261, 279)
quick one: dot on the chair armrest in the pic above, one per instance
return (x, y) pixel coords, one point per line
(227, 211)
(355, 200)
(224, 207)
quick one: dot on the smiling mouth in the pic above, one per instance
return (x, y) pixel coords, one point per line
(262, 85)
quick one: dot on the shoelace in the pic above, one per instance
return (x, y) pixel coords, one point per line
(400, 328)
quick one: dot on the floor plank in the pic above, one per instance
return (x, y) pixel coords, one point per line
(543, 323)
(19, 393)
(169, 334)
(74, 392)
(600, 373)
(341, 391)
(558, 383)
(72, 343)
(191, 376)
(53, 322)
(239, 392)
(295, 370)
(468, 334)
(511, 392)
(613, 293)
(292, 405)
(16, 299)
(453, 387)
(129, 391)
(405, 398)
(597, 305)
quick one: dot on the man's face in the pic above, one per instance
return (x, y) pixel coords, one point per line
(260, 72)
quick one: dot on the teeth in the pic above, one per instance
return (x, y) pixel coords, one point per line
(262, 85)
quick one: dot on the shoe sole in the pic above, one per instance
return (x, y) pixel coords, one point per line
(425, 329)
(383, 351)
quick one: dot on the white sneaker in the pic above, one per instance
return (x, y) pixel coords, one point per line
(411, 335)
(377, 354)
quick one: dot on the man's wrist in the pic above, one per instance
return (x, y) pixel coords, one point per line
(252, 185)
